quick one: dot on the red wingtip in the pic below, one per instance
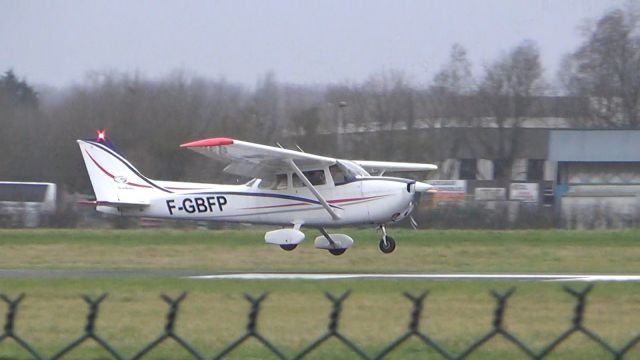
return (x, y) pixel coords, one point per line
(209, 142)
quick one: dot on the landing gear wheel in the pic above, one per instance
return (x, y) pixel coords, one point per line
(337, 252)
(288, 247)
(388, 246)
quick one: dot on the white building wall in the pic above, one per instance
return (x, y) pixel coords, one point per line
(549, 170)
(600, 212)
(449, 169)
(519, 170)
(485, 169)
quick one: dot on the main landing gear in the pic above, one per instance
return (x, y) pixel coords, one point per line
(288, 247)
(337, 252)
(333, 246)
(387, 244)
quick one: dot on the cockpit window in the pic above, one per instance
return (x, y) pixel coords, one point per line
(352, 169)
(316, 177)
(338, 175)
(279, 182)
(346, 171)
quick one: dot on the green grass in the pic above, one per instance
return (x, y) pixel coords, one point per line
(296, 312)
(418, 251)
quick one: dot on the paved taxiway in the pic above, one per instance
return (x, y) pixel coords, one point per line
(195, 274)
(471, 277)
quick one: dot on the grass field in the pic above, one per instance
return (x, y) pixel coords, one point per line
(418, 251)
(296, 312)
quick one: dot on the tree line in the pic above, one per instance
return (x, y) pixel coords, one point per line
(149, 118)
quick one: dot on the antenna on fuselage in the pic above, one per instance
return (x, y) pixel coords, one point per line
(299, 148)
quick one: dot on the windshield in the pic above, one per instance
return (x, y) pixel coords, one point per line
(352, 169)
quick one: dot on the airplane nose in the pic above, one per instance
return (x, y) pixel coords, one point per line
(421, 187)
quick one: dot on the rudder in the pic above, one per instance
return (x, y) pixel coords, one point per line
(113, 178)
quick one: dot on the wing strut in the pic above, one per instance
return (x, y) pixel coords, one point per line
(315, 192)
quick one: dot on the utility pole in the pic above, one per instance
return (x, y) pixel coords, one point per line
(340, 129)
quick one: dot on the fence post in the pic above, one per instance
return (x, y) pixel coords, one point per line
(9, 332)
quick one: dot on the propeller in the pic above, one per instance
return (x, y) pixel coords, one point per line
(419, 189)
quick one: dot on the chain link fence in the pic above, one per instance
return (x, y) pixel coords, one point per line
(332, 332)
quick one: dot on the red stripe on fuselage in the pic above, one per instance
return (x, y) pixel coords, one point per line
(276, 206)
(336, 201)
(178, 188)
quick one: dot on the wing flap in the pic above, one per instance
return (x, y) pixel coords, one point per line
(394, 166)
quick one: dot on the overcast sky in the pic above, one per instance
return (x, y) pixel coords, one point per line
(304, 42)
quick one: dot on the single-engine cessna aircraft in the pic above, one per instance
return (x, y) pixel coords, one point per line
(289, 188)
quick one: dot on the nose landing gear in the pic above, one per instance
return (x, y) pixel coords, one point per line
(387, 245)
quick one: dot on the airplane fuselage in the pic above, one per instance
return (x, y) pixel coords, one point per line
(375, 200)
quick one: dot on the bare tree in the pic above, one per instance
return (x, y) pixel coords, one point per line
(391, 107)
(508, 89)
(606, 68)
(391, 99)
(456, 76)
(449, 102)
(266, 117)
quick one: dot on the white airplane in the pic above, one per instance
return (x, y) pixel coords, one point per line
(289, 188)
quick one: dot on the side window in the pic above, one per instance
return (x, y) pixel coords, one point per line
(297, 182)
(337, 174)
(277, 183)
(316, 177)
(281, 182)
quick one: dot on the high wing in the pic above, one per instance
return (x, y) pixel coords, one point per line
(255, 160)
(383, 166)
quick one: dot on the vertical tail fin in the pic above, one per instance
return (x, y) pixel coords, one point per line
(113, 178)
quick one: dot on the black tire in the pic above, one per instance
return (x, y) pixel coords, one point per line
(389, 247)
(288, 247)
(337, 252)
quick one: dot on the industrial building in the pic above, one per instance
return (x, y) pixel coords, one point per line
(597, 182)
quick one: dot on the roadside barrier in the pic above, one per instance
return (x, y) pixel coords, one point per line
(168, 333)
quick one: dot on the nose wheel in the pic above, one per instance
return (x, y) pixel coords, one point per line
(387, 245)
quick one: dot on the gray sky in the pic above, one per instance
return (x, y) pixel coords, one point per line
(305, 42)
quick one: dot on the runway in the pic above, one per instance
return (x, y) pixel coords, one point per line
(204, 275)
(466, 277)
